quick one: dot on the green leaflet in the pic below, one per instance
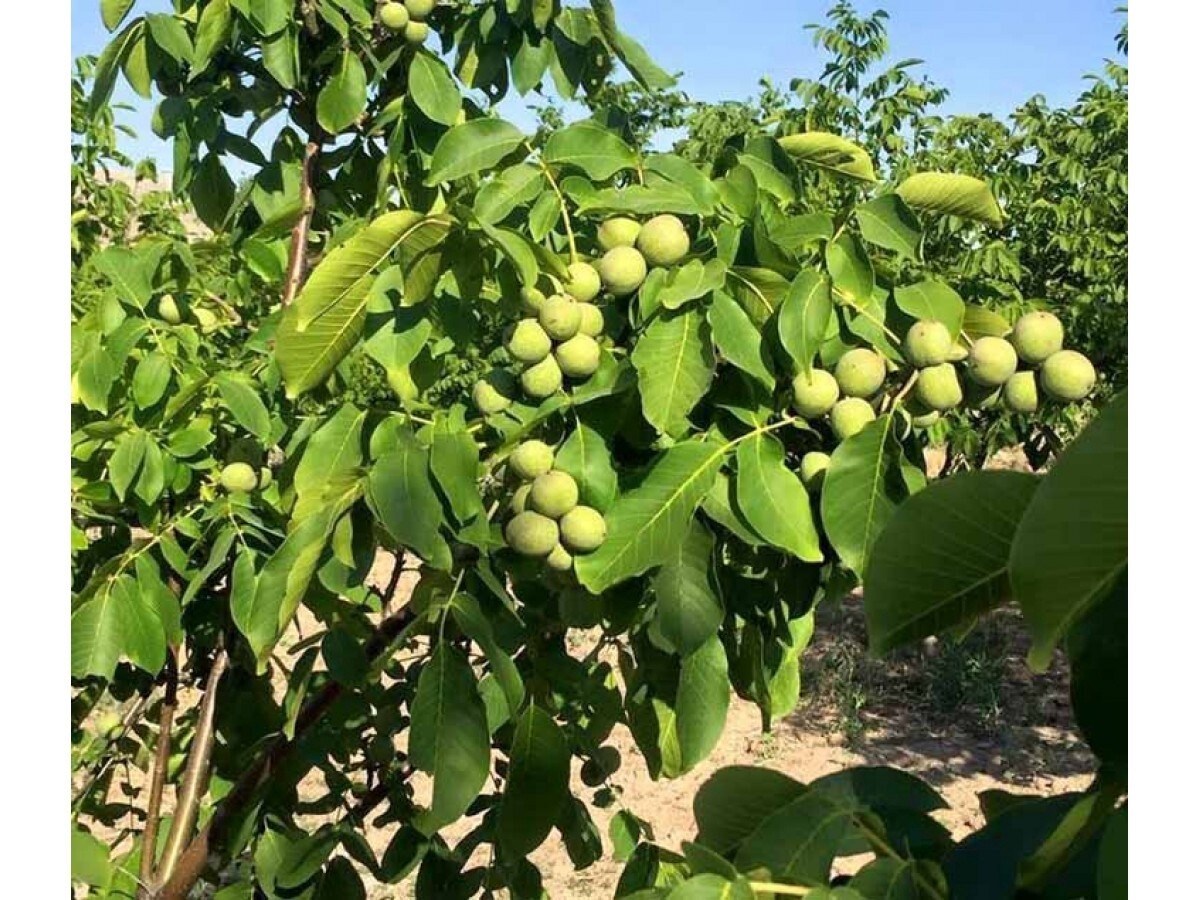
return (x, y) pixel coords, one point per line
(863, 488)
(449, 737)
(328, 317)
(646, 523)
(674, 362)
(772, 499)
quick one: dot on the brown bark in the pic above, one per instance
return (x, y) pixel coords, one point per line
(298, 254)
(158, 777)
(195, 776)
(194, 859)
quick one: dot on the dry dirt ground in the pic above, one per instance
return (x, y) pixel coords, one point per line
(965, 722)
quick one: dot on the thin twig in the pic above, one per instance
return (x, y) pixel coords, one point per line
(298, 254)
(195, 776)
(158, 777)
(194, 858)
(562, 202)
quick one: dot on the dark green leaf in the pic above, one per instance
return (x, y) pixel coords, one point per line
(943, 557)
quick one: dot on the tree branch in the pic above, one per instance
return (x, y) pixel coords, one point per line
(158, 777)
(195, 777)
(194, 858)
(299, 249)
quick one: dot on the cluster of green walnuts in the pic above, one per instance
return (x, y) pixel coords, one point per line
(548, 522)
(560, 337)
(999, 371)
(407, 18)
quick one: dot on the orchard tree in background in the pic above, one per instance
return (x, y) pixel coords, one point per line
(559, 381)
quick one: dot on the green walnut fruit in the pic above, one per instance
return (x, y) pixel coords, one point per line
(1068, 376)
(419, 9)
(928, 343)
(542, 379)
(394, 16)
(560, 560)
(1021, 393)
(812, 469)
(583, 281)
(583, 529)
(813, 395)
(265, 477)
(923, 418)
(206, 319)
(554, 494)
(108, 724)
(850, 416)
(239, 476)
(531, 534)
(531, 459)
(520, 499)
(416, 32)
(494, 392)
(168, 310)
(938, 388)
(529, 342)
(591, 320)
(1037, 336)
(618, 232)
(663, 241)
(531, 300)
(622, 270)
(560, 317)
(860, 372)
(579, 357)
(957, 353)
(991, 361)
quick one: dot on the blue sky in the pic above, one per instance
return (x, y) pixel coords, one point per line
(990, 55)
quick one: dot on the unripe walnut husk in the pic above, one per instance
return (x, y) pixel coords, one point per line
(419, 9)
(531, 459)
(619, 231)
(554, 494)
(583, 281)
(393, 16)
(813, 395)
(529, 342)
(560, 560)
(531, 534)
(991, 361)
(520, 499)
(1068, 376)
(850, 416)
(531, 300)
(928, 343)
(1037, 336)
(812, 469)
(860, 372)
(239, 476)
(591, 320)
(938, 388)
(663, 241)
(1021, 393)
(560, 317)
(416, 32)
(542, 379)
(583, 529)
(622, 271)
(579, 357)
(494, 392)
(168, 310)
